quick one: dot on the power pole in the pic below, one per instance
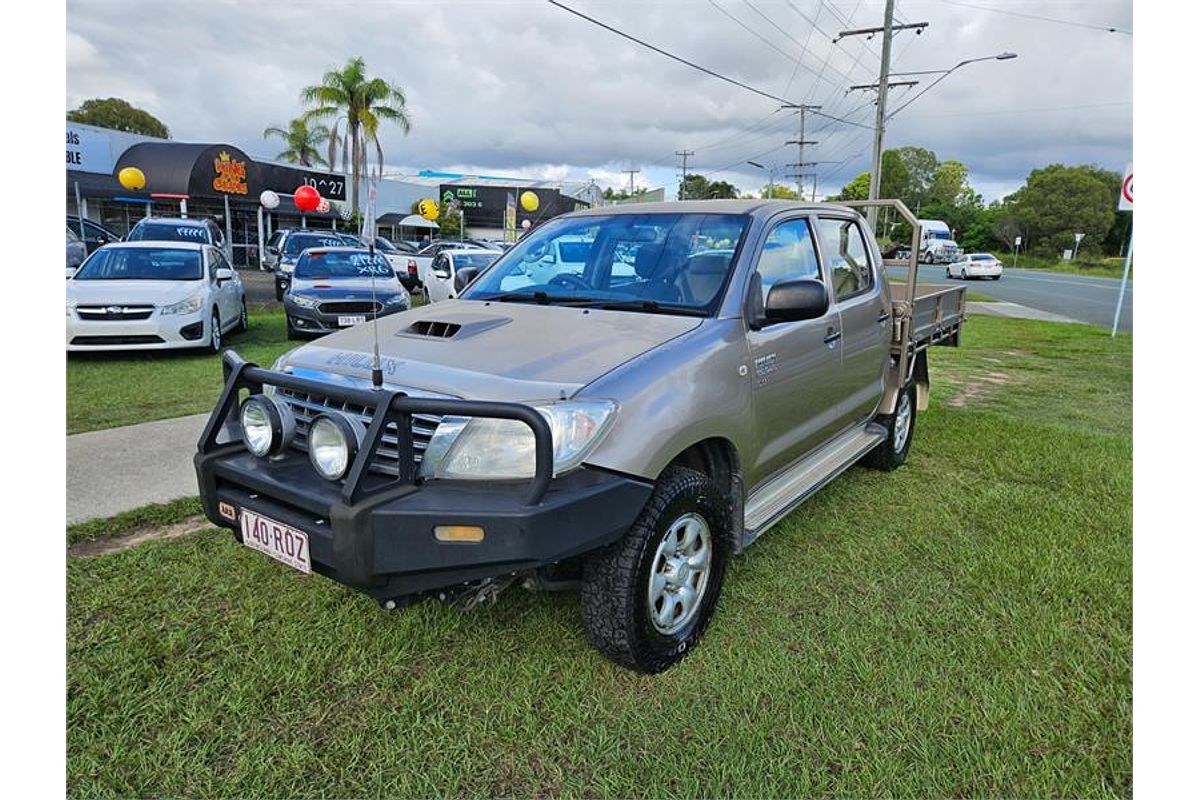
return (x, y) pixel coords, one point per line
(683, 172)
(885, 68)
(800, 162)
(631, 173)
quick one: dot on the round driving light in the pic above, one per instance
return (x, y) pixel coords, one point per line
(267, 425)
(332, 445)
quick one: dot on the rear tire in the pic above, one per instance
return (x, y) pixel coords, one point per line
(647, 598)
(893, 450)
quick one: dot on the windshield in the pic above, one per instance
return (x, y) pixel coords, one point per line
(141, 264)
(168, 232)
(302, 241)
(342, 264)
(650, 262)
(383, 244)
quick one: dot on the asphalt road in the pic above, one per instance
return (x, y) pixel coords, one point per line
(1088, 299)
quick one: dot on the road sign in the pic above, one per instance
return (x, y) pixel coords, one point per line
(1017, 242)
(1126, 201)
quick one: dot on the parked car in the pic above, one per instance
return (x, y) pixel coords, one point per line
(439, 283)
(399, 257)
(334, 288)
(293, 243)
(76, 252)
(975, 265)
(417, 264)
(350, 240)
(94, 234)
(154, 296)
(177, 229)
(630, 437)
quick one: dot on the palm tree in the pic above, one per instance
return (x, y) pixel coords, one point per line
(302, 142)
(356, 104)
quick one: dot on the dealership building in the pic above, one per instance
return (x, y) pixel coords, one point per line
(221, 182)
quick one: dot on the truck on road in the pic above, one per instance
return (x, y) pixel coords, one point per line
(937, 242)
(625, 428)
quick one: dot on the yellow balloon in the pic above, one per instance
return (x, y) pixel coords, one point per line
(428, 209)
(529, 201)
(132, 178)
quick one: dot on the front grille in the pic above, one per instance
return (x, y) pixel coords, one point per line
(307, 406)
(118, 313)
(350, 307)
(98, 341)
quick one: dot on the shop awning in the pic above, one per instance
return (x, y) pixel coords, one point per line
(411, 221)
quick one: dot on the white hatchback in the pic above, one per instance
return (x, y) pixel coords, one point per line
(154, 296)
(975, 265)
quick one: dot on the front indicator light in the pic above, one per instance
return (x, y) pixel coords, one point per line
(458, 533)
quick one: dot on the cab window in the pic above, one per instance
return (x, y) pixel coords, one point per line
(846, 257)
(789, 254)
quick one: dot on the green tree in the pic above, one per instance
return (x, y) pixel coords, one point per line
(302, 142)
(449, 221)
(779, 191)
(856, 189)
(896, 181)
(118, 115)
(357, 105)
(948, 181)
(915, 167)
(721, 190)
(693, 187)
(1058, 201)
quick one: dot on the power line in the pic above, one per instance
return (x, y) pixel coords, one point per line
(679, 59)
(671, 56)
(764, 39)
(1105, 28)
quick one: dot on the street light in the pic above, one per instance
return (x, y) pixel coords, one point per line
(1005, 56)
(770, 178)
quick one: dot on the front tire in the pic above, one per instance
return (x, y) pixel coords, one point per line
(243, 319)
(647, 598)
(893, 450)
(962, 274)
(214, 334)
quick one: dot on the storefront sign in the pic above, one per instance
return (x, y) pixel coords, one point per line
(231, 175)
(88, 151)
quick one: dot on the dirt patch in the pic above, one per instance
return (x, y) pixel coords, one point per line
(981, 388)
(113, 544)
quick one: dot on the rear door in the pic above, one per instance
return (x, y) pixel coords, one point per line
(863, 307)
(797, 365)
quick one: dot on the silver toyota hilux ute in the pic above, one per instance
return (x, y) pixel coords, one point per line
(622, 422)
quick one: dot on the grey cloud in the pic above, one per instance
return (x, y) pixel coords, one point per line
(524, 87)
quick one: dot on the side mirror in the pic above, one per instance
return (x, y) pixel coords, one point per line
(463, 277)
(441, 273)
(273, 250)
(789, 301)
(224, 274)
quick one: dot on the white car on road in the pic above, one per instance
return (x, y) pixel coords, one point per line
(975, 265)
(154, 296)
(439, 281)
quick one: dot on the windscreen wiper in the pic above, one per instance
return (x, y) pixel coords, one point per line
(649, 307)
(541, 298)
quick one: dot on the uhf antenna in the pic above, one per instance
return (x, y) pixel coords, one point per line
(369, 232)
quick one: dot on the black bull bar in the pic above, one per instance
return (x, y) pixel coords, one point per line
(389, 406)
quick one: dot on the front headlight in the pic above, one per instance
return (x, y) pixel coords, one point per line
(267, 425)
(189, 306)
(333, 441)
(302, 301)
(396, 300)
(70, 309)
(487, 448)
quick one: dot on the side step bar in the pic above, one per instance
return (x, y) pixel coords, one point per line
(774, 499)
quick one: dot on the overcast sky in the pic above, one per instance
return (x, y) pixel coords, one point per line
(525, 88)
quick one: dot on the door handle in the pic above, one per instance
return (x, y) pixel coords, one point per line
(883, 317)
(831, 336)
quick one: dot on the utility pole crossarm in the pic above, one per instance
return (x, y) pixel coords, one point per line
(887, 29)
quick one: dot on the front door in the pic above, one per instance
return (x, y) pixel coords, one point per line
(441, 279)
(797, 365)
(863, 306)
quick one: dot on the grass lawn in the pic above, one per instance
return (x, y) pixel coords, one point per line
(105, 390)
(1096, 267)
(960, 627)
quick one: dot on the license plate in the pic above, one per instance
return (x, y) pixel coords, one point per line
(352, 319)
(279, 541)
